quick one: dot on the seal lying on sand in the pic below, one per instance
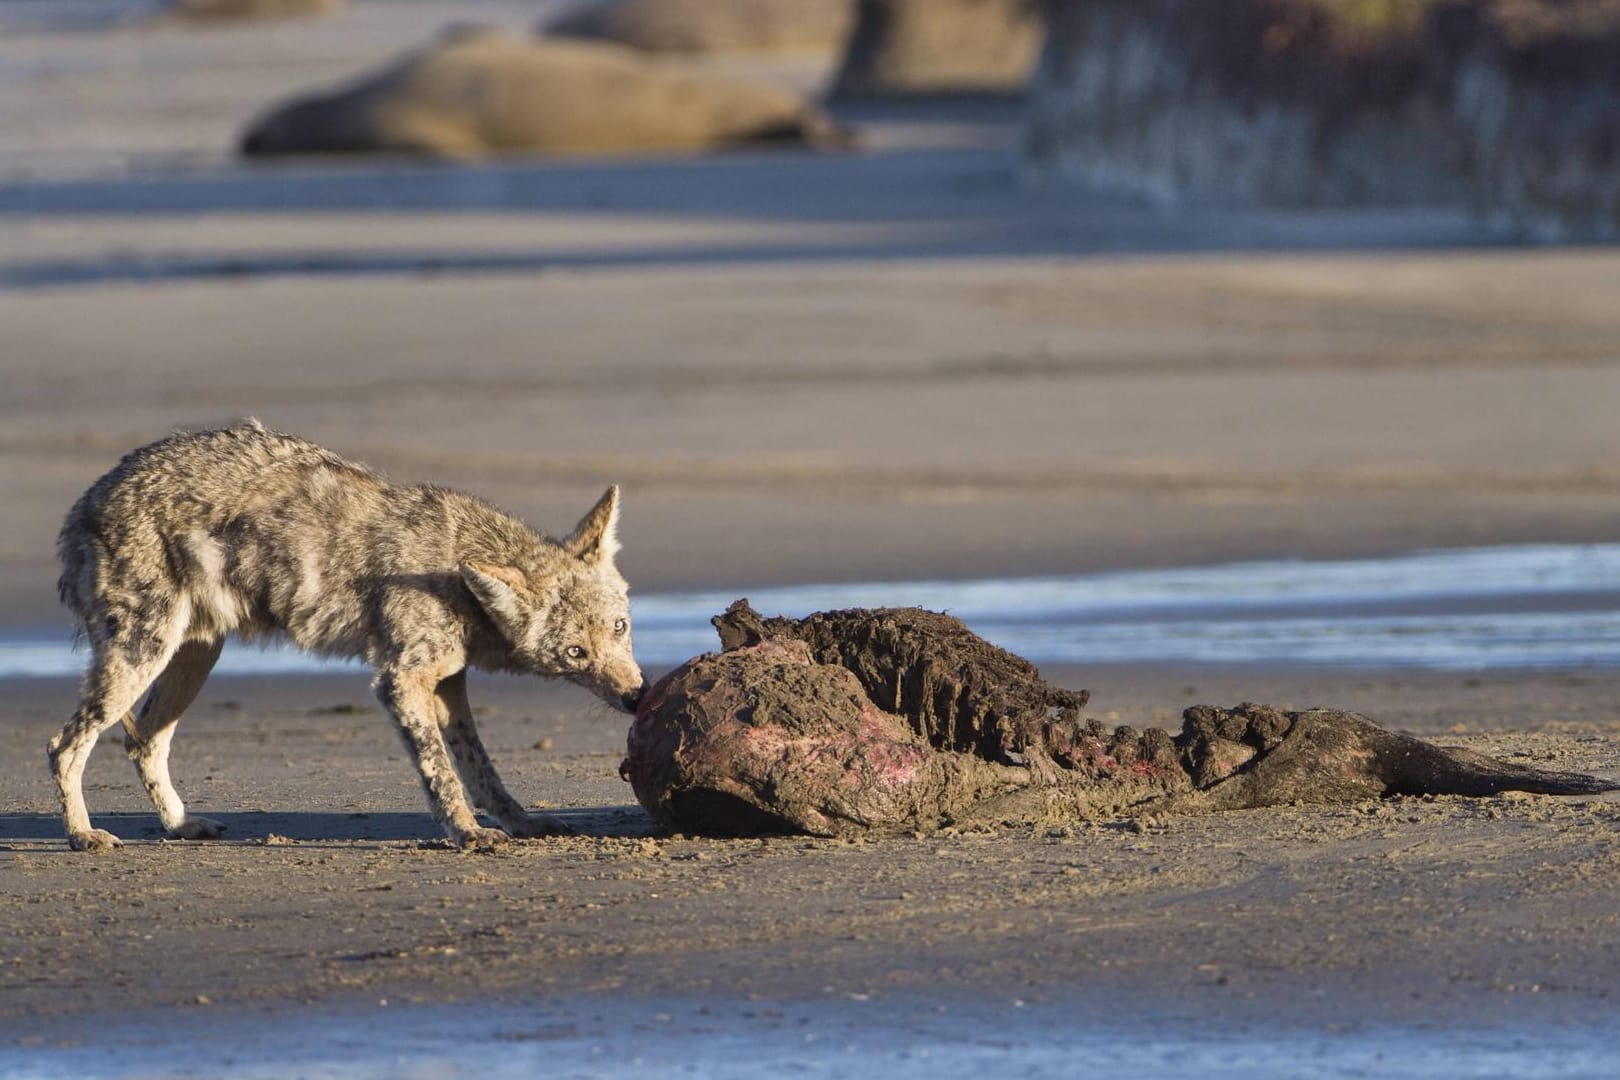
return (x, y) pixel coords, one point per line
(899, 720)
(480, 93)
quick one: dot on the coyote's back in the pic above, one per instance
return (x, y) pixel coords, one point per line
(153, 530)
(248, 531)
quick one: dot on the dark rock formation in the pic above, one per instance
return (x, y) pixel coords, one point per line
(852, 722)
(1512, 106)
(928, 48)
(1536, 87)
(481, 93)
(1265, 102)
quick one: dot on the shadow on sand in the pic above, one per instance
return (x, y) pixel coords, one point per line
(258, 827)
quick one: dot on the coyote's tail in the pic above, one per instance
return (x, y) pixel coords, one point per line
(71, 547)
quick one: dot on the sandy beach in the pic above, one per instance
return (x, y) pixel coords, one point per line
(900, 363)
(1450, 907)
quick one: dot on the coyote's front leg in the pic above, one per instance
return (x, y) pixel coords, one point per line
(478, 772)
(409, 697)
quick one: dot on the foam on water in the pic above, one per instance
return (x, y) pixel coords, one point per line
(1523, 607)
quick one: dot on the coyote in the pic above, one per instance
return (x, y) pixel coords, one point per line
(244, 530)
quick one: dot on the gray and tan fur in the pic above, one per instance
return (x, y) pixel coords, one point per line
(247, 531)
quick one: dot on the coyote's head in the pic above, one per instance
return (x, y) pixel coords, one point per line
(571, 619)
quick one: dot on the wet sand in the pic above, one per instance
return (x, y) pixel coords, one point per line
(896, 364)
(935, 1037)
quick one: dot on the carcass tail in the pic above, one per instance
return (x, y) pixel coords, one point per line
(1560, 783)
(1453, 771)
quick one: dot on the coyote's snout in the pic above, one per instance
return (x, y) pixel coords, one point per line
(247, 531)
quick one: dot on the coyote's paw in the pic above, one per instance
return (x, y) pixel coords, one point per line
(94, 840)
(198, 828)
(534, 826)
(481, 839)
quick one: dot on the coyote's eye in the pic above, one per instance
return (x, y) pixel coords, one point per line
(620, 626)
(575, 652)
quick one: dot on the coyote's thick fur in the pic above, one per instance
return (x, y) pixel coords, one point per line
(247, 531)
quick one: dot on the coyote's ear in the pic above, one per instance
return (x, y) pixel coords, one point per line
(596, 538)
(500, 590)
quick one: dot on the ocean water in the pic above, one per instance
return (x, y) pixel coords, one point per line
(1526, 606)
(1540, 606)
(630, 1039)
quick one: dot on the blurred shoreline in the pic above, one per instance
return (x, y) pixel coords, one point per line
(895, 363)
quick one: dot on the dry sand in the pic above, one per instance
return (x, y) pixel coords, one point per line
(898, 363)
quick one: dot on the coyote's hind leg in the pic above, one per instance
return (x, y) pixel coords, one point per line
(129, 653)
(147, 740)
